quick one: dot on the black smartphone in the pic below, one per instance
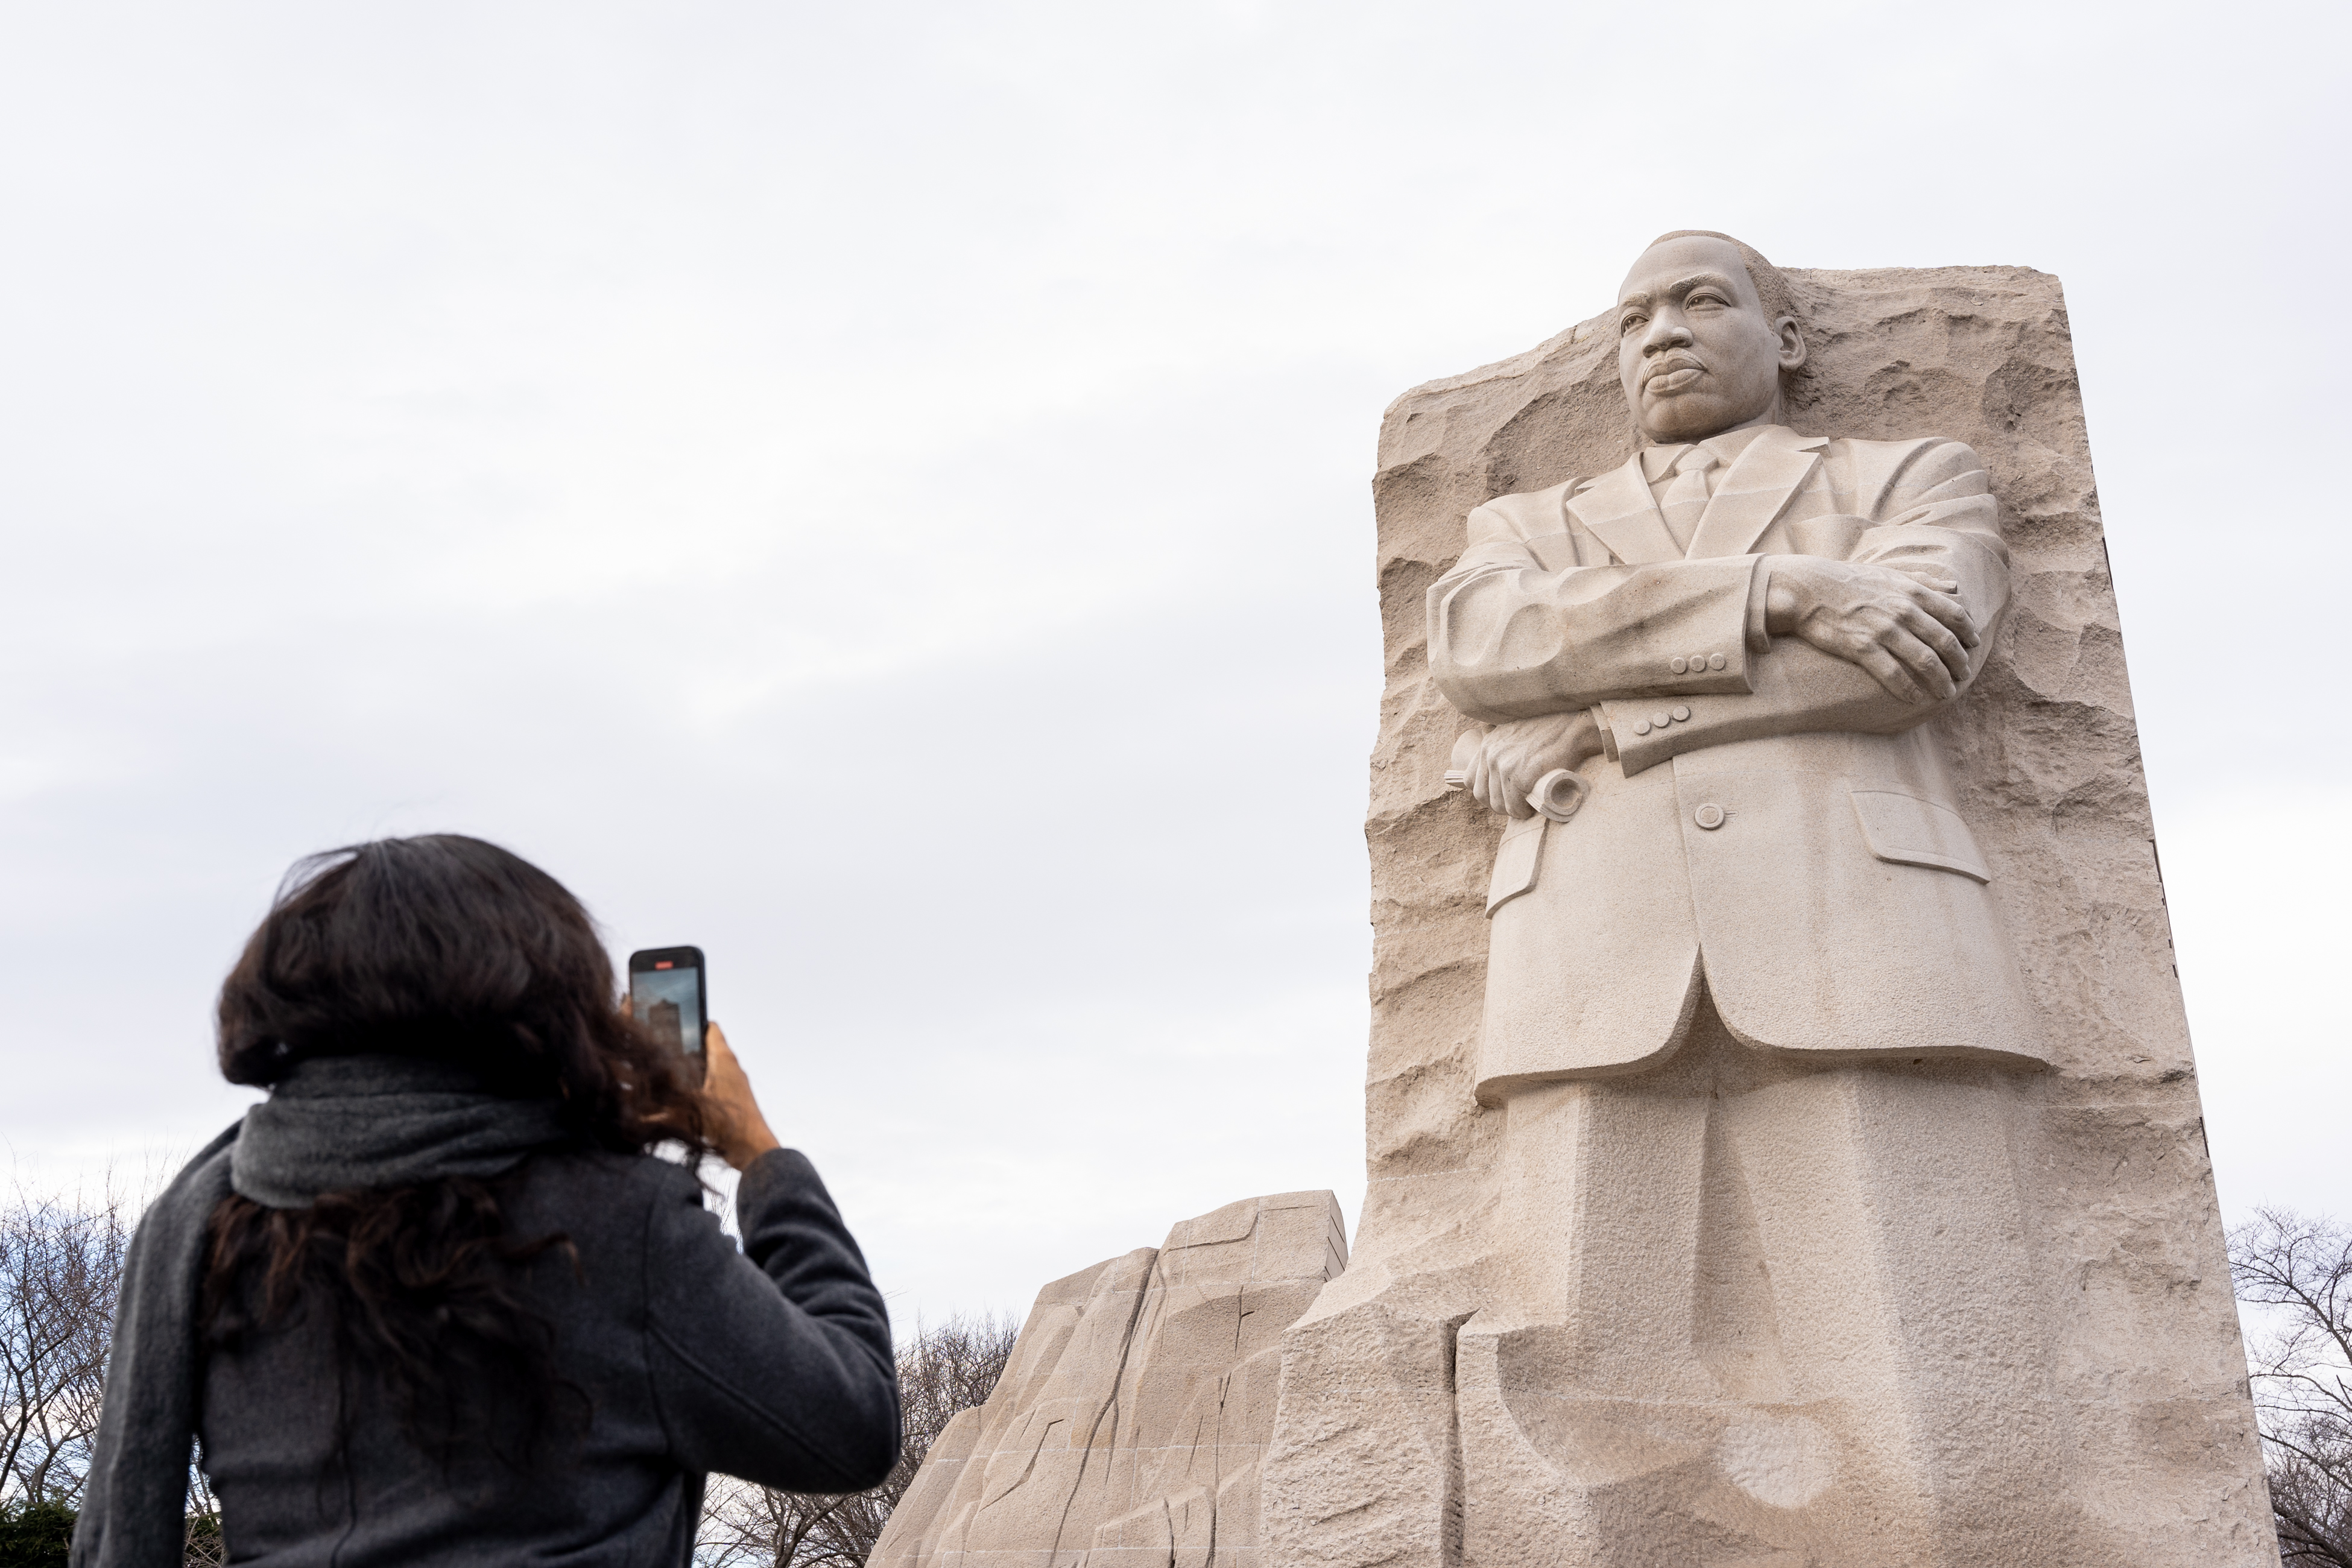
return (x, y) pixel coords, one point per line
(669, 995)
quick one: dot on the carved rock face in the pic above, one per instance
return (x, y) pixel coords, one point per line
(1731, 1302)
(1127, 1429)
(1472, 1391)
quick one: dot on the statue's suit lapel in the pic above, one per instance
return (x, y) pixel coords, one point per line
(1754, 492)
(1622, 513)
(1617, 506)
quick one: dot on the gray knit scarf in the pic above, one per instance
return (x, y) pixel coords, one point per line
(334, 1125)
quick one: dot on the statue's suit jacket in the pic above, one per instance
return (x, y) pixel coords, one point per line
(1839, 905)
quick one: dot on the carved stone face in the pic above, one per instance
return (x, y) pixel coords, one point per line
(1696, 350)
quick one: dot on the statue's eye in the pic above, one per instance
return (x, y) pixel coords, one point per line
(1630, 320)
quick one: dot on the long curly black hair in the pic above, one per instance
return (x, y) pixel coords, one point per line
(455, 950)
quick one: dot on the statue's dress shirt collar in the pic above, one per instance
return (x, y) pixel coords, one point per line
(1657, 462)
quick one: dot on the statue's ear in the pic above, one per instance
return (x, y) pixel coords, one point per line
(1792, 342)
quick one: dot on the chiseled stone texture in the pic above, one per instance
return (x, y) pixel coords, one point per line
(2141, 1451)
(1127, 1427)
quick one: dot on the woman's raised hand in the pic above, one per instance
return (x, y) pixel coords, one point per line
(730, 1113)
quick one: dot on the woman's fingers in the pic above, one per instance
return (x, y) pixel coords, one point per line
(723, 1077)
(732, 1111)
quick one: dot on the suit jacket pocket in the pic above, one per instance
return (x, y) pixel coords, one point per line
(1909, 831)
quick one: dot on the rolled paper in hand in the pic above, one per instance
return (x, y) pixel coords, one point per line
(1558, 794)
(1467, 746)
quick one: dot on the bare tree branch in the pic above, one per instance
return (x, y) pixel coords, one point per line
(941, 1371)
(60, 1266)
(2297, 1274)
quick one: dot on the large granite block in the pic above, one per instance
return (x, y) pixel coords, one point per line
(1718, 1304)
(1127, 1429)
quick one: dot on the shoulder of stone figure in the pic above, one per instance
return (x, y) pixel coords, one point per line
(1915, 463)
(1532, 514)
(1910, 464)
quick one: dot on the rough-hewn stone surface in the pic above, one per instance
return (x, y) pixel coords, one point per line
(1127, 1430)
(2147, 1422)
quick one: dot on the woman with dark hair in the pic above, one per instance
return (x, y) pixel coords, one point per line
(436, 1300)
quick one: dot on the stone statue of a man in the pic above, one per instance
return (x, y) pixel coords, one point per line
(1751, 1013)
(1737, 635)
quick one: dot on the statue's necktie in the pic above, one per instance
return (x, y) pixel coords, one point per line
(1686, 498)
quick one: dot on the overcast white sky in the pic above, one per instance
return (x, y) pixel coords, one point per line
(881, 491)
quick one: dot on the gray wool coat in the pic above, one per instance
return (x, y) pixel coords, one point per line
(773, 1364)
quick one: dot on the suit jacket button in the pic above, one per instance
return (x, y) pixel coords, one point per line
(1709, 815)
(1678, 664)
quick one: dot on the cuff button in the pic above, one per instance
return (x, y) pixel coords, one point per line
(1640, 726)
(1714, 661)
(1680, 712)
(1678, 664)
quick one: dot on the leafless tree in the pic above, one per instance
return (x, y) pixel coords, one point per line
(60, 1264)
(2297, 1273)
(203, 1547)
(61, 1273)
(942, 1369)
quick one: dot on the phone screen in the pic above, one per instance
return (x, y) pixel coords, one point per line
(666, 994)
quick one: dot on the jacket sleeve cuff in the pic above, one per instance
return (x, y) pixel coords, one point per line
(1694, 641)
(1644, 732)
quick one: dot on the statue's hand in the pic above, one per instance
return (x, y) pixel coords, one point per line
(1514, 755)
(1905, 627)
